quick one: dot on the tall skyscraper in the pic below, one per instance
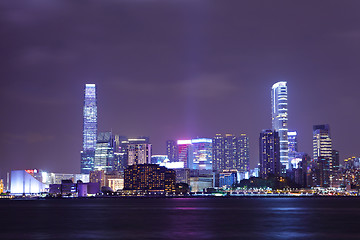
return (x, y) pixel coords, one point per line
(322, 153)
(335, 160)
(322, 144)
(171, 150)
(202, 153)
(218, 152)
(89, 129)
(269, 149)
(230, 152)
(243, 153)
(280, 120)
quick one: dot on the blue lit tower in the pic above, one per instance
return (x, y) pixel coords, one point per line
(202, 153)
(280, 120)
(90, 129)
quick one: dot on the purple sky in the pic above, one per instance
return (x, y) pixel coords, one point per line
(173, 69)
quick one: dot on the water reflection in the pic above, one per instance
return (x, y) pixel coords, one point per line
(192, 218)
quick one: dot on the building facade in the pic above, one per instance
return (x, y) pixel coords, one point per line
(149, 178)
(269, 149)
(89, 129)
(322, 153)
(185, 152)
(243, 152)
(279, 112)
(104, 153)
(230, 152)
(202, 153)
(171, 150)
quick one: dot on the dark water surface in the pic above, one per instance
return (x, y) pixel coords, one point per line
(187, 218)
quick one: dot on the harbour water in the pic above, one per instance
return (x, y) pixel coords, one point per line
(181, 218)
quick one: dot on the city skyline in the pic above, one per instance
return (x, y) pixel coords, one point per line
(173, 79)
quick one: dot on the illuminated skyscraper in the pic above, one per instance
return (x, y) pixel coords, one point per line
(243, 153)
(202, 153)
(292, 139)
(89, 129)
(185, 152)
(322, 153)
(280, 120)
(218, 152)
(230, 152)
(269, 149)
(138, 151)
(171, 150)
(104, 153)
(322, 145)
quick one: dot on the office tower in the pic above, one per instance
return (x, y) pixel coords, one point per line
(149, 178)
(89, 129)
(138, 151)
(104, 153)
(202, 153)
(269, 149)
(322, 144)
(322, 153)
(243, 154)
(185, 152)
(171, 150)
(292, 140)
(280, 120)
(218, 152)
(231, 152)
(120, 156)
(335, 160)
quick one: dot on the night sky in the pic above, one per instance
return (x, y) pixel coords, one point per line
(173, 70)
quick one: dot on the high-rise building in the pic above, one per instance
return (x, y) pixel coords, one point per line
(293, 149)
(243, 153)
(218, 152)
(280, 120)
(322, 144)
(138, 151)
(120, 153)
(335, 160)
(292, 139)
(202, 153)
(269, 149)
(322, 153)
(185, 152)
(89, 129)
(171, 150)
(104, 153)
(230, 152)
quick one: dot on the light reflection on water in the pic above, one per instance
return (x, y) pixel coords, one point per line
(192, 218)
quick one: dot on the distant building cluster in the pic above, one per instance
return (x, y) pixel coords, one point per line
(111, 162)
